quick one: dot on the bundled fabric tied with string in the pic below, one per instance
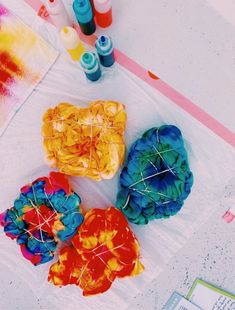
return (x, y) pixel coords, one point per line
(156, 178)
(104, 248)
(46, 211)
(85, 141)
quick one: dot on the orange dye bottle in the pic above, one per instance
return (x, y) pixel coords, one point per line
(103, 12)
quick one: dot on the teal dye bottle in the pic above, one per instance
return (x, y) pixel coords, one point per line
(90, 65)
(84, 15)
(104, 48)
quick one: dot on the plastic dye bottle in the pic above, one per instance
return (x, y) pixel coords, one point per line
(103, 12)
(104, 48)
(92, 5)
(84, 15)
(72, 43)
(58, 13)
(91, 66)
(69, 6)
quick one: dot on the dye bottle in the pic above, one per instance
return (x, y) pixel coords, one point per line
(58, 13)
(92, 5)
(104, 48)
(72, 43)
(69, 6)
(103, 12)
(84, 16)
(90, 66)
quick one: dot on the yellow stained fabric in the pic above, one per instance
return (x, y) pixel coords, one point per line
(85, 141)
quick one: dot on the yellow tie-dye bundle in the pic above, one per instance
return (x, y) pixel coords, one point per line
(85, 141)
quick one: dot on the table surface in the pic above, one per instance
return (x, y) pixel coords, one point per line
(193, 50)
(209, 255)
(190, 45)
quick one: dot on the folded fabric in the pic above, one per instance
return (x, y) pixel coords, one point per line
(46, 211)
(156, 178)
(104, 248)
(85, 141)
(25, 58)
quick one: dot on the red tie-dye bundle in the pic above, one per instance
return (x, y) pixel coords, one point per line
(104, 248)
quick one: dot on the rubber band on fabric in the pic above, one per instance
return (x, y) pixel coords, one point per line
(156, 178)
(46, 211)
(85, 141)
(104, 248)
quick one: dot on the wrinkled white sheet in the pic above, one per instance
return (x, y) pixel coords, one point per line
(22, 160)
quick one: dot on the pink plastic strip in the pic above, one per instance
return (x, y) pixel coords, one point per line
(35, 4)
(154, 81)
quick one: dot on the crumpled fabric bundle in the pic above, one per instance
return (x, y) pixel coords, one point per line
(104, 248)
(156, 178)
(47, 210)
(85, 141)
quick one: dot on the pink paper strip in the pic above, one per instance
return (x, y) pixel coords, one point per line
(155, 82)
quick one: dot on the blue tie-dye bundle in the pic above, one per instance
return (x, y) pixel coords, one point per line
(156, 178)
(46, 211)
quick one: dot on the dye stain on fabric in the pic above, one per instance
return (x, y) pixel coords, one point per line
(19, 72)
(10, 70)
(3, 11)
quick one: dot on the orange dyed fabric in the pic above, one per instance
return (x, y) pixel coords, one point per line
(104, 248)
(85, 141)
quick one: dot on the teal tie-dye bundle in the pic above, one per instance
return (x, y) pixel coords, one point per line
(156, 178)
(46, 211)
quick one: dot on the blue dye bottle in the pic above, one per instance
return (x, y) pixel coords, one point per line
(91, 66)
(84, 15)
(104, 47)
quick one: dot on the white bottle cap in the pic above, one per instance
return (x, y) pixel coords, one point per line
(102, 6)
(69, 38)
